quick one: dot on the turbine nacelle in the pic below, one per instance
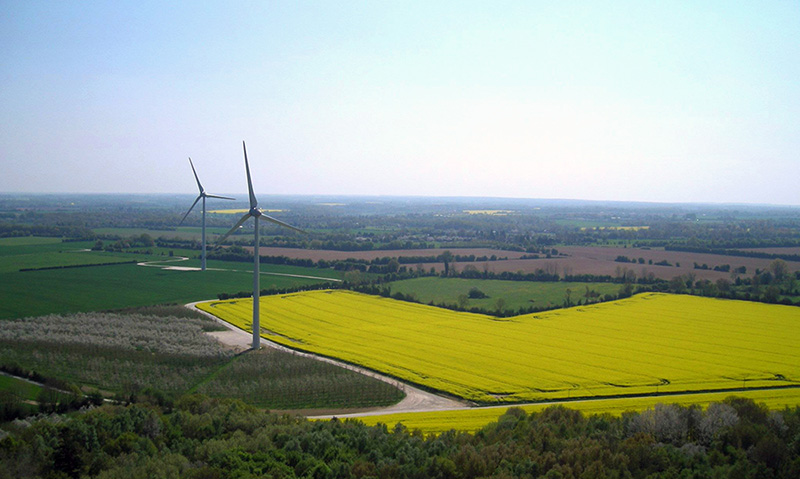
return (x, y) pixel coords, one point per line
(255, 211)
(256, 214)
(202, 194)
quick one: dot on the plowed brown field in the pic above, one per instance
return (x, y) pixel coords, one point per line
(600, 261)
(329, 255)
(580, 260)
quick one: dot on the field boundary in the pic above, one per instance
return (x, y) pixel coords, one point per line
(179, 259)
(567, 402)
(88, 265)
(416, 400)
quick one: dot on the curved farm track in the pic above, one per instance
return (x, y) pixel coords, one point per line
(416, 400)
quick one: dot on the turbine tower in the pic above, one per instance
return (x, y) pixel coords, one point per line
(202, 195)
(255, 213)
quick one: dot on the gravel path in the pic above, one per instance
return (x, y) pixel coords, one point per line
(416, 400)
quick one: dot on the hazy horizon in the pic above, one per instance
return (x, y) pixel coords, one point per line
(493, 201)
(677, 103)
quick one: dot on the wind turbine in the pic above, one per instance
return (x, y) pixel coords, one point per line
(255, 213)
(202, 195)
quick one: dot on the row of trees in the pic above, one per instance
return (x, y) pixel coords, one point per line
(199, 437)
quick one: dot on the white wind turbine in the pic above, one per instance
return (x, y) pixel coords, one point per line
(255, 213)
(202, 195)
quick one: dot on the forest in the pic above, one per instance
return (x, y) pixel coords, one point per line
(199, 437)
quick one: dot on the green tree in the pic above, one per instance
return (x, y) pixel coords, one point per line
(353, 277)
(475, 293)
(462, 300)
(447, 258)
(500, 305)
(779, 269)
(393, 265)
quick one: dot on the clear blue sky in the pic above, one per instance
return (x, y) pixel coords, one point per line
(649, 101)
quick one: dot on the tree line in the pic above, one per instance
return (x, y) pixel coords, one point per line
(199, 437)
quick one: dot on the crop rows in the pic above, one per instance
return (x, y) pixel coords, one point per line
(280, 380)
(118, 331)
(170, 353)
(112, 351)
(651, 343)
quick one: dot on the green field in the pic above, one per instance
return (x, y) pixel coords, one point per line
(22, 390)
(33, 253)
(58, 259)
(28, 240)
(516, 294)
(93, 288)
(181, 232)
(35, 293)
(19, 398)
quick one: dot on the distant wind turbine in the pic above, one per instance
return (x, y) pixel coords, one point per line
(255, 213)
(202, 195)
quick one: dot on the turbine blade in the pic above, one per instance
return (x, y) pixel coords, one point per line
(253, 200)
(219, 197)
(190, 209)
(199, 186)
(285, 225)
(235, 227)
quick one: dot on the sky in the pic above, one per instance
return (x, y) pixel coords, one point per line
(670, 101)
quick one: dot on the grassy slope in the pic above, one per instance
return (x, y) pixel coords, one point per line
(517, 294)
(24, 390)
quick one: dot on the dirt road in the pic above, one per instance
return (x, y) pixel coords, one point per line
(416, 400)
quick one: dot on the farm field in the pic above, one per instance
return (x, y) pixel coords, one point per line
(774, 250)
(102, 287)
(180, 232)
(35, 253)
(35, 293)
(650, 343)
(165, 348)
(13, 263)
(471, 420)
(328, 255)
(278, 380)
(598, 260)
(515, 294)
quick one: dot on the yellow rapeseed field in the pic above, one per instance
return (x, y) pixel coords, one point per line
(650, 343)
(471, 420)
(489, 212)
(240, 211)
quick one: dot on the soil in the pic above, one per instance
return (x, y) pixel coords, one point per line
(329, 255)
(600, 261)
